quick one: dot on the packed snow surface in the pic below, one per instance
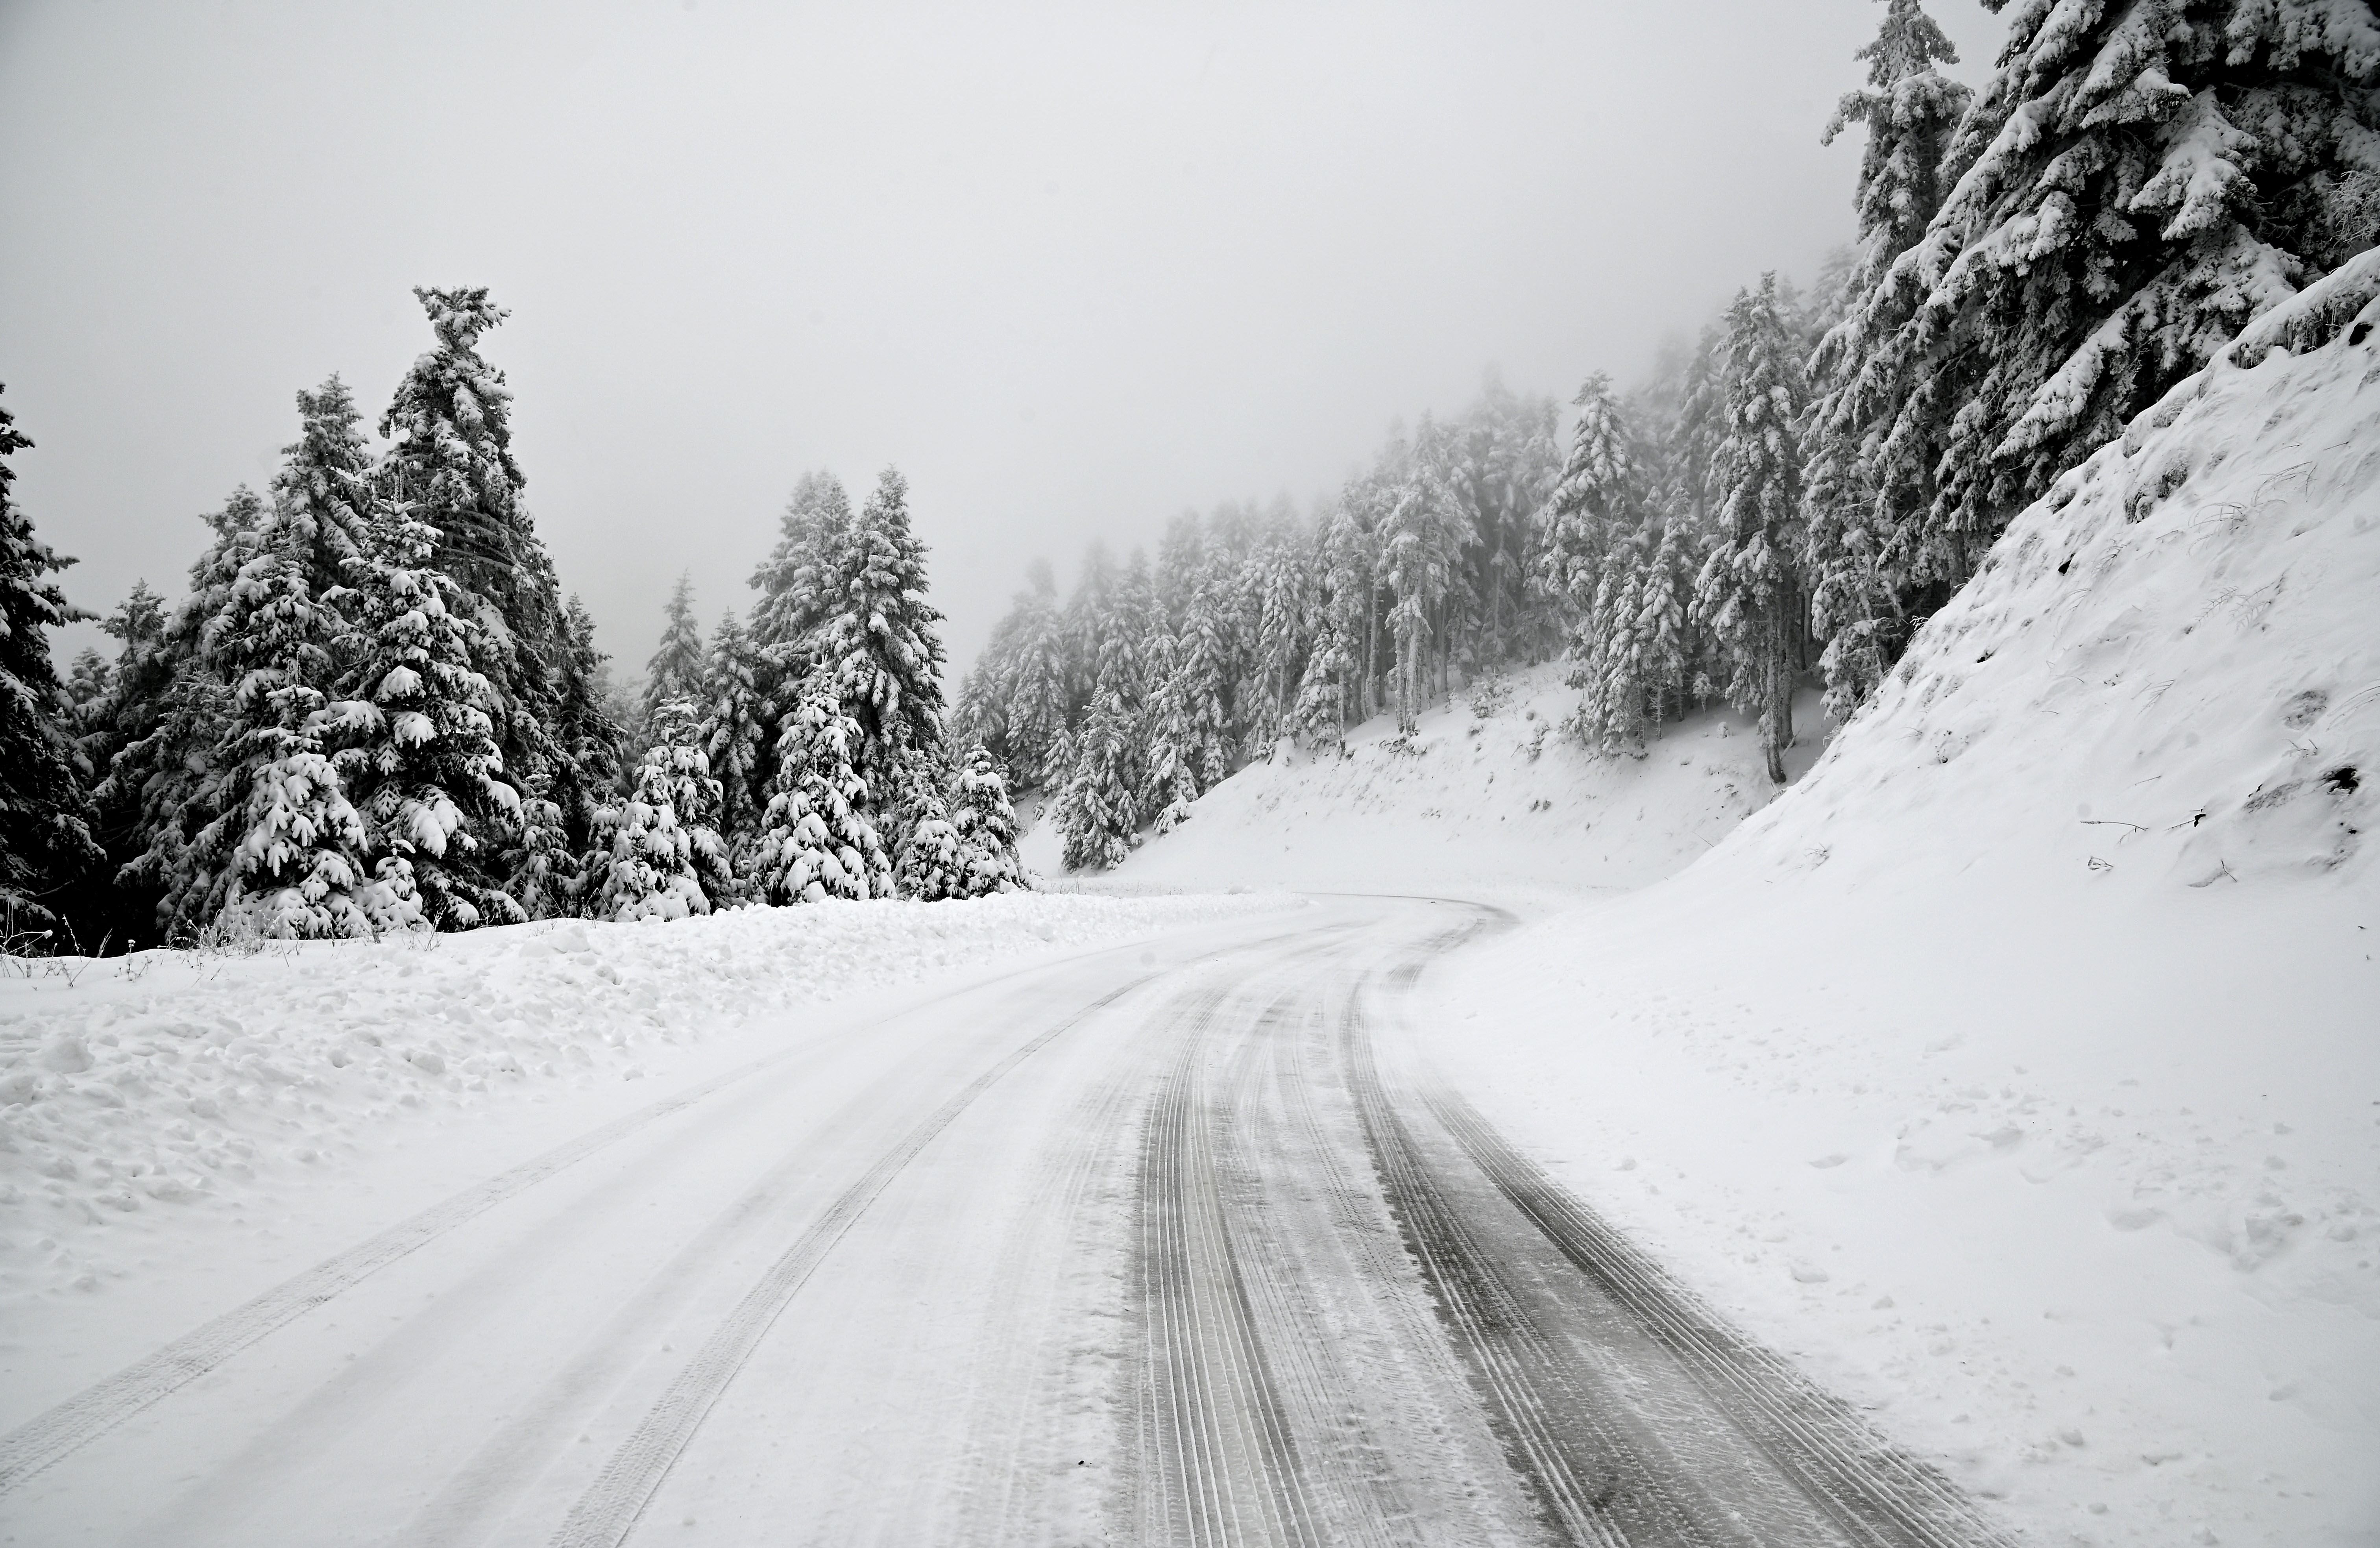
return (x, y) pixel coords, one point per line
(2020, 1068)
(141, 1096)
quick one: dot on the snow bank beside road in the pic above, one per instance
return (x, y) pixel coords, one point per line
(171, 1081)
(2020, 1069)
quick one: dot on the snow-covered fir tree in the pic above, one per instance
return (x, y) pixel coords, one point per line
(926, 863)
(1099, 813)
(417, 745)
(2132, 184)
(181, 774)
(734, 722)
(1910, 110)
(985, 826)
(659, 858)
(1421, 553)
(879, 644)
(1593, 502)
(1187, 728)
(1749, 594)
(545, 871)
(818, 840)
(291, 855)
(676, 669)
(45, 816)
(799, 579)
(1016, 698)
(450, 465)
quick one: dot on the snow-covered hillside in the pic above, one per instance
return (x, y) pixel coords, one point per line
(1489, 791)
(2020, 1067)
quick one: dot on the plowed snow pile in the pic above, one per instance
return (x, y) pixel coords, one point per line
(2021, 1068)
(147, 1097)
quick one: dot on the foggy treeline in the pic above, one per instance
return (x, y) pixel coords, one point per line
(1790, 497)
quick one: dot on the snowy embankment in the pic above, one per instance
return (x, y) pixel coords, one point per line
(140, 1095)
(1498, 798)
(2020, 1069)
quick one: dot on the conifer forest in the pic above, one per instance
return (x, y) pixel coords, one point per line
(376, 707)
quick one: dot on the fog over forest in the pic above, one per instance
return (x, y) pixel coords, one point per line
(1073, 269)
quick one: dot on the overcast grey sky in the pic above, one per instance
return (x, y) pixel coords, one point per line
(1074, 268)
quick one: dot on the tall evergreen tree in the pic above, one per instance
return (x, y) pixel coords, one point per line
(818, 840)
(735, 721)
(451, 467)
(660, 858)
(45, 814)
(1910, 110)
(881, 646)
(1421, 551)
(985, 827)
(676, 669)
(288, 853)
(800, 581)
(1098, 813)
(1594, 502)
(182, 775)
(417, 752)
(1749, 593)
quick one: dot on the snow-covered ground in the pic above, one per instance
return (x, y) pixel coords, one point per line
(148, 1097)
(2021, 1068)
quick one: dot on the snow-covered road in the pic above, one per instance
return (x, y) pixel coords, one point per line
(1176, 1243)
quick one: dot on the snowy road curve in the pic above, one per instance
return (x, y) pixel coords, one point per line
(1170, 1245)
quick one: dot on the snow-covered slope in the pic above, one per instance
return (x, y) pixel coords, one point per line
(2020, 1067)
(1497, 797)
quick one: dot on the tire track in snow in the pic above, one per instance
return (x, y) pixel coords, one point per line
(1880, 1495)
(1226, 1469)
(1591, 1482)
(611, 1507)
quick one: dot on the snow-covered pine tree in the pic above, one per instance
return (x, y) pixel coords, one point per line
(1595, 503)
(1910, 110)
(797, 582)
(289, 855)
(1187, 730)
(880, 647)
(1285, 580)
(1088, 624)
(676, 669)
(817, 839)
(588, 741)
(2133, 184)
(1349, 565)
(660, 858)
(138, 682)
(1749, 594)
(1036, 679)
(1637, 669)
(182, 775)
(45, 838)
(451, 466)
(926, 865)
(985, 827)
(1324, 690)
(417, 746)
(734, 719)
(1097, 814)
(1421, 551)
